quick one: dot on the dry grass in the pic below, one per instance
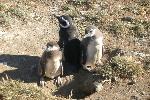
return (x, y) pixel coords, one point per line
(122, 66)
(16, 90)
(125, 24)
(126, 66)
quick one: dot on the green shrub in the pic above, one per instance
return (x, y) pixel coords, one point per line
(15, 90)
(2, 7)
(16, 11)
(126, 66)
(121, 66)
(4, 21)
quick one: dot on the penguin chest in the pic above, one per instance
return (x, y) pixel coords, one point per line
(99, 41)
(52, 67)
(91, 52)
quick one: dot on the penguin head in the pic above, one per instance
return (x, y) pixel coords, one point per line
(92, 31)
(51, 46)
(65, 21)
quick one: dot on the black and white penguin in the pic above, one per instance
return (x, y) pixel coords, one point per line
(92, 45)
(67, 31)
(69, 42)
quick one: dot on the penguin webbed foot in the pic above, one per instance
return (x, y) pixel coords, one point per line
(42, 82)
(58, 81)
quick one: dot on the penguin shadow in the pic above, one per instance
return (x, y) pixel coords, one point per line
(23, 67)
(73, 88)
(70, 91)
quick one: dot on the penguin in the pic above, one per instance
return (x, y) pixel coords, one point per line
(69, 44)
(92, 47)
(50, 64)
(68, 30)
(72, 56)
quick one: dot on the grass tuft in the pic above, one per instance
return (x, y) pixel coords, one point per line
(2, 7)
(16, 12)
(4, 20)
(15, 90)
(121, 66)
(126, 66)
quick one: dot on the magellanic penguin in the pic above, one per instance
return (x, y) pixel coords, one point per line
(50, 64)
(92, 47)
(68, 40)
(67, 31)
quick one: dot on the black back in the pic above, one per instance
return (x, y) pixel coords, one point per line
(72, 51)
(72, 54)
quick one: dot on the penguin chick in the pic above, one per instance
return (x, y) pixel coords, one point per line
(50, 64)
(92, 47)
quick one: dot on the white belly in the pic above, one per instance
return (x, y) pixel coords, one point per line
(91, 52)
(94, 52)
(52, 68)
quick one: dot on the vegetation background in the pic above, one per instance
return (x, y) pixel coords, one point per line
(27, 25)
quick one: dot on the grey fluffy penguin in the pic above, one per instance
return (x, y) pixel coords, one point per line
(69, 42)
(50, 64)
(92, 46)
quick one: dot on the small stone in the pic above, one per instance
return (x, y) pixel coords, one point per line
(147, 65)
(114, 79)
(142, 93)
(98, 86)
(131, 83)
(127, 18)
(134, 98)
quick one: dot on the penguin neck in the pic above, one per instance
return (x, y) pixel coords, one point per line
(66, 27)
(51, 53)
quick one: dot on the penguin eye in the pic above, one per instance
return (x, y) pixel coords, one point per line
(49, 46)
(91, 31)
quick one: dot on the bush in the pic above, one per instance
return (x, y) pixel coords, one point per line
(15, 90)
(126, 66)
(121, 66)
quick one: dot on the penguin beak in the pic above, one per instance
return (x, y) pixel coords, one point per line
(63, 22)
(87, 35)
(53, 48)
(90, 34)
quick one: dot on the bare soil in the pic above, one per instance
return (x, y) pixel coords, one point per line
(22, 43)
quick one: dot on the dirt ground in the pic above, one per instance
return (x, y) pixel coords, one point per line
(21, 46)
